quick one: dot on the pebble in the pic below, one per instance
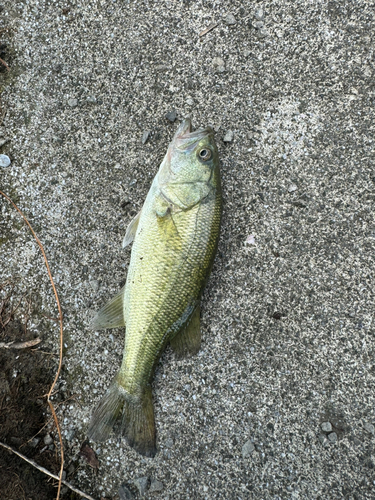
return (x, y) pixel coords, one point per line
(189, 101)
(228, 137)
(3, 141)
(326, 426)
(250, 240)
(145, 136)
(124, 493)
(4, 161)
(332, 437)
(169, 443)
(369, 428)
(247, 449)
(91, 99)
(230, 19)
(292, 188)
(171, 115)
(73, 103)
(34, 442)
(141, 484)
(259, 14)
(322, 438)
(156, 486)
(95, 284)
(262, 33)
(47, 439)
(218, 64)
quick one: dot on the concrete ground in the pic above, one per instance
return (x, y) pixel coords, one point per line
(279, 403)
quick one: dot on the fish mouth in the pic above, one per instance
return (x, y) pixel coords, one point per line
(185, 132)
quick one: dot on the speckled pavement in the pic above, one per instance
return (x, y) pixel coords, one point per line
(279, 403)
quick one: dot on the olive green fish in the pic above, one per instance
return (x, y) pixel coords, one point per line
(174, 239)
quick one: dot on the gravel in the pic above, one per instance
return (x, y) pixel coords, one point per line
(145, 136)
(47, 439)
(229, 136)
(155, 486)
(141, 484)
(332, 437)
(124, 493)
(4, 161)
(326, 427)
(287, 323)
(230, 20)
(247, 449)
(171, 116)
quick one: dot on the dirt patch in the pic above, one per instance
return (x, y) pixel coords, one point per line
(25, 377)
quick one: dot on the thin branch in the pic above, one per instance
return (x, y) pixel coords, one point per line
(20, 345)
(208, 29)
(5, 64)
(61, 342)
(45, 471)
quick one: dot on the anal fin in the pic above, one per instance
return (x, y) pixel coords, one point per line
(111, 315)
(187, 342)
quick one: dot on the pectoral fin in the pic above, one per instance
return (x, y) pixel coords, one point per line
(111, 315)
(131, 230)
(187, 342)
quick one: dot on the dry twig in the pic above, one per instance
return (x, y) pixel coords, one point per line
(5, 64)
(61, 342)
(209, 28)
(42, 469)
(20, 345)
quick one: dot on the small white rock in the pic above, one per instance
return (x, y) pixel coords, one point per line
(326, 427)
(228, 137)
(332, 437)
(4, 161)
(259, 14)
(250, 240)
(230, 19)
(47, 439)
(73, 103)
(292, 188)
(247, 449)
(218, 64)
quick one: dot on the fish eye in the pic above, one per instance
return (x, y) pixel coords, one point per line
(205, 154)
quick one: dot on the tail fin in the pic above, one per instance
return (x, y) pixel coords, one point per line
(138, 424)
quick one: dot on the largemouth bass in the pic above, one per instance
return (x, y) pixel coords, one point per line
(174, 237)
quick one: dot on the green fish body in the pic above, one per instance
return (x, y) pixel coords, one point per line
(174, 239)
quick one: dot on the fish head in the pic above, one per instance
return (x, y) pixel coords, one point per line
(192, 156)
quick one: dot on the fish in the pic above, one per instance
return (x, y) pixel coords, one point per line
(174, 241)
